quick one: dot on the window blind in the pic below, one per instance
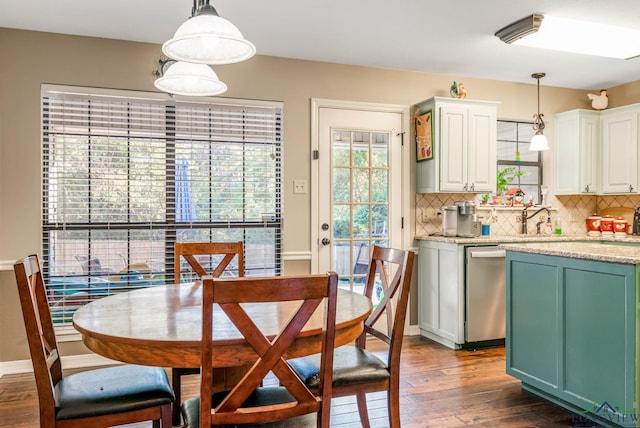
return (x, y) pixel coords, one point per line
(126, 176)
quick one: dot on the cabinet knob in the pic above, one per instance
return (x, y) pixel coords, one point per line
(473, 186)
(630, 188)
(586, 189)
(465, 186)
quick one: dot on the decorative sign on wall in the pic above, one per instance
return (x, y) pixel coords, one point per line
(424, 136)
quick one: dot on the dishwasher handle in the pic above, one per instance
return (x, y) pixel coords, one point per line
(488, 254)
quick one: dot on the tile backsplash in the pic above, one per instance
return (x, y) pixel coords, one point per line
(573, 211)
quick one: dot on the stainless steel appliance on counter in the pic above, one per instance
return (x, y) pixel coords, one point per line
(460, 220)
(485, 314)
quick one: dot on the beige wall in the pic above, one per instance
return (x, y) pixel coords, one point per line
(30, 59)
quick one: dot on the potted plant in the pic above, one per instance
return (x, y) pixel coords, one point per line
(485, 199)
(503, 178)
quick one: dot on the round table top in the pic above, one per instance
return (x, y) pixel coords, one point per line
(161, 326)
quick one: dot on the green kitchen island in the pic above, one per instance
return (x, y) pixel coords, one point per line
(572, 326)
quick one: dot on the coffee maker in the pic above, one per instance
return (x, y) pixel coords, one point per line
(467, 225)
(460, 220)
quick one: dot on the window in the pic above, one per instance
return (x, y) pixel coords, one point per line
(126, 176)
(514, 138)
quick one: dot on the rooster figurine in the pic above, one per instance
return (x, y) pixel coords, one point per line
(599, 102)
(462, 92)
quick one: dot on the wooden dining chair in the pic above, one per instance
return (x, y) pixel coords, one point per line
(357, 371)
(248, 402)
(194, 253)
(94, 398)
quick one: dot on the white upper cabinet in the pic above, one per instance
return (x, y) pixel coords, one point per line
(464, 146)
(596, 152)
(620, 150)
(577, 142)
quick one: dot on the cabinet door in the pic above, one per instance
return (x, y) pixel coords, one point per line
(599, 309)
(533, 322)
(589, 154)
(438, 291)
(481, 154)
(620, 152)
(453, 145)
(428, 311)
(576, 137)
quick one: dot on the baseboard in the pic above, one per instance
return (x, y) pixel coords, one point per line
(69, 362)
(15, 367)
(413, 330)
(441, 340)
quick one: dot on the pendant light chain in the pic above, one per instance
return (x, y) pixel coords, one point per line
(539, 141)
(538, 124)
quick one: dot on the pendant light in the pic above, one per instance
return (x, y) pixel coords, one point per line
(186, 78)
(539, 141)
(207, 38)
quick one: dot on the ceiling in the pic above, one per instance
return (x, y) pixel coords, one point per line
(452, 37)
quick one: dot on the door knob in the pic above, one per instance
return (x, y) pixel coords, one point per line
(325, 241)
(325, 226)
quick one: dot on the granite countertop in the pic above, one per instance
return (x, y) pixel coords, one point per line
(499, 239)
(616, 251)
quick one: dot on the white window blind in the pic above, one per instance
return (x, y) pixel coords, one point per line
(125, 177)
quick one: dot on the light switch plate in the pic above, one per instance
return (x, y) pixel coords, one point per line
(299, 186)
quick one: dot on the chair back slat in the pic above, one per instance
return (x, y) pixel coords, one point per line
(189, 251)
(313, 292)
(41, 338)
(395, 296)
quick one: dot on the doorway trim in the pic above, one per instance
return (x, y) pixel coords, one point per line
(408, 193)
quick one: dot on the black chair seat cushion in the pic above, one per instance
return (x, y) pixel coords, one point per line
(263, 396)
(111, 390)
(351, 365)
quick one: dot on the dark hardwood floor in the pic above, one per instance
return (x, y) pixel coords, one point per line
(439, 388)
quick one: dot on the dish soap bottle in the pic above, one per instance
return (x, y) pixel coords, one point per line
(557, 226)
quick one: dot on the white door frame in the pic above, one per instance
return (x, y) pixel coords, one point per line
(406, 196)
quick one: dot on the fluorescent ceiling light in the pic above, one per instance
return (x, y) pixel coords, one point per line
(569, 35)
(520, 29)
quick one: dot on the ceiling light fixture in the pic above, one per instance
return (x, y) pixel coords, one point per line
(519, 29)
(569, 35)
(186, 78)
(207, 38)
(539, 141)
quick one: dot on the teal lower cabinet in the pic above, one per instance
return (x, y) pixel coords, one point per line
(571, 334)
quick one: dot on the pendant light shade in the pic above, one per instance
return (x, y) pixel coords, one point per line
(539, 141)
(185, 78)
(207, 38)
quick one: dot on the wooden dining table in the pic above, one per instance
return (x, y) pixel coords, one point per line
(161, 326)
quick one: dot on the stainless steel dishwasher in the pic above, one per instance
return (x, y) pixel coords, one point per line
(485, 313)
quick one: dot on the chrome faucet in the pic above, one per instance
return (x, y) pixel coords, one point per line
(525, 218)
